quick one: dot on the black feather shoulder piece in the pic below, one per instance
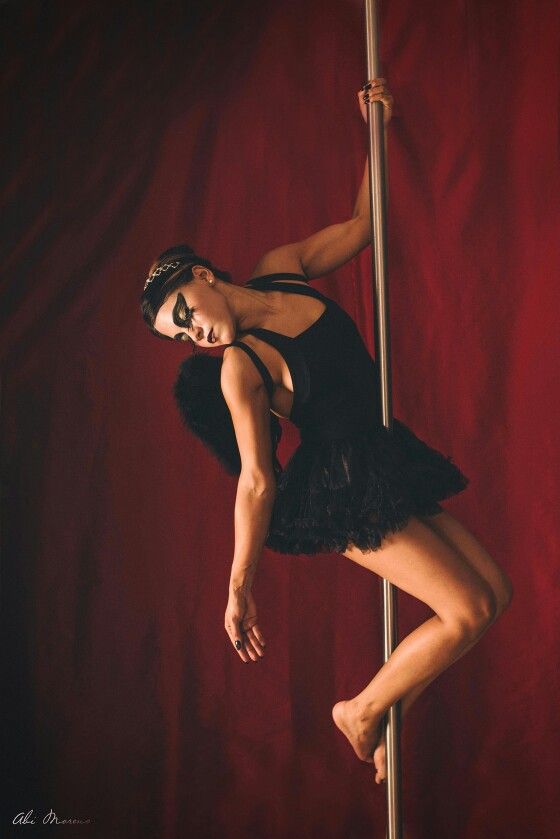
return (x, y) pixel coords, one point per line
(201, 403)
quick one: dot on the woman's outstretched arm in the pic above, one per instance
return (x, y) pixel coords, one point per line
(249, 406)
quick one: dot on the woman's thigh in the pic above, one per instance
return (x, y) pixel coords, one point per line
(471, 551)
(418, 561)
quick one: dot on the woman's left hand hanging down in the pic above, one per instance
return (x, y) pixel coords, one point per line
(241, 625)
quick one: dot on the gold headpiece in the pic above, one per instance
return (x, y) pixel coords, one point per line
(159, 270)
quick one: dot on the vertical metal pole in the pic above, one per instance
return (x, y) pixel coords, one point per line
(378, 208)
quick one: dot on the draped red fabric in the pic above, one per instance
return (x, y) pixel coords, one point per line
(234, 127)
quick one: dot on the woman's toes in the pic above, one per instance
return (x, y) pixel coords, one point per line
(379, 758)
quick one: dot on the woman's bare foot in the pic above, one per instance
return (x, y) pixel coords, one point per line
(361, 727)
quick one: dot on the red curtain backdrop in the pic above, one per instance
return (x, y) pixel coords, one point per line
(234, 127)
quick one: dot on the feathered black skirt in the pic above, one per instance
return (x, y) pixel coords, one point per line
(333, 493)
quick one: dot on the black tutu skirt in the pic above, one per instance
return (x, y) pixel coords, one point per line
(355, 490)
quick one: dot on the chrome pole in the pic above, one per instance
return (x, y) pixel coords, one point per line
(378, 210)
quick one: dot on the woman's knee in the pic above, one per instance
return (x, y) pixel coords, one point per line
(472, 614)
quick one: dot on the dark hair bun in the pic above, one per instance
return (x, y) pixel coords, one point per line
(201, 403)
(181, 251)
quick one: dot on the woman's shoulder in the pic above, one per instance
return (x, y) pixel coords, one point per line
(243, 366)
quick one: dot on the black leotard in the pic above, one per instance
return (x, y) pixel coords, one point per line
(334, 377)
(350, 480)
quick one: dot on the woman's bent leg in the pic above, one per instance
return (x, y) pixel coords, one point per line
(472, 552)
(418, 561)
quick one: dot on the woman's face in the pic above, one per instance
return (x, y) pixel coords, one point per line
(197, 311)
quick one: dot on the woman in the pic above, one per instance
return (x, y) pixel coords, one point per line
(352, 485)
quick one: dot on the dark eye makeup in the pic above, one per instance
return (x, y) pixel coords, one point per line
(182, 316)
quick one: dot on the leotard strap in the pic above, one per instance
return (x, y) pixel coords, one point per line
(267, 378)
(263, 281)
